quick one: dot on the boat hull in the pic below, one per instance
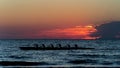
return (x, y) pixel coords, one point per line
(39, 48)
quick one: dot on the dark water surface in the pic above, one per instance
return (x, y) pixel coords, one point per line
(105, 54)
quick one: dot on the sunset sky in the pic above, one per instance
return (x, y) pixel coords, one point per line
(55, 19)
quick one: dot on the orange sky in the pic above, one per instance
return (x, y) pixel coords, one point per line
(21, 18)
(78, 32)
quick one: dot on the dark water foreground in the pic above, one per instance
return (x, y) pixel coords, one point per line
(105, 54)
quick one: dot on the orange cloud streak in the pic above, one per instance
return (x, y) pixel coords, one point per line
(78, 32)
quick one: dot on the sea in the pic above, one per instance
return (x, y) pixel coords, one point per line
(105, 54)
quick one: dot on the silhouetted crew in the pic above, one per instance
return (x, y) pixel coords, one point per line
(68, 45)
(43, 45)
(36, 45)
(76, 46)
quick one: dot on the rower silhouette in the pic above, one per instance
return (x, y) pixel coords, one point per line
(43, 45)
(60, 46)
(76, 46)
(52, 46)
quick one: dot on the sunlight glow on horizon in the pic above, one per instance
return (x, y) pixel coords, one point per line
(78, 32)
